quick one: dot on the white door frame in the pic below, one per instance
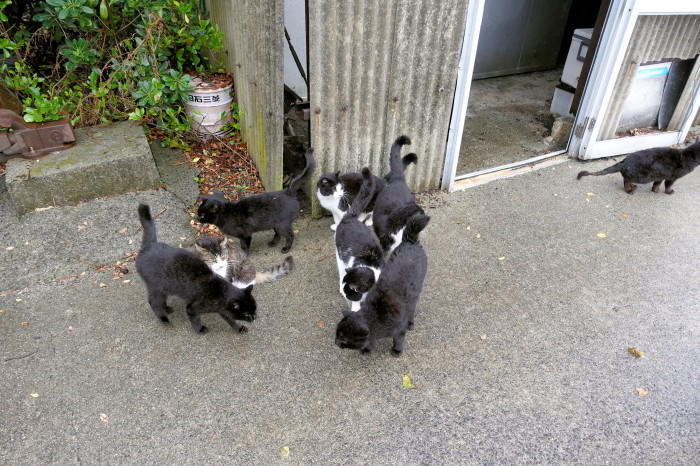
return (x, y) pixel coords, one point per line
(475, 12)
(615, 36)
(597, 95)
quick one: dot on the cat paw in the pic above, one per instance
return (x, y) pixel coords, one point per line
(365, 351)
(334, 226)
(203, 330)
(243, 329)
(669, 192)
(395, 353)
(286, 249)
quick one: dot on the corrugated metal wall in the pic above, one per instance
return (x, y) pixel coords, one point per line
(378, 70)
(654, 38)
(253, 43)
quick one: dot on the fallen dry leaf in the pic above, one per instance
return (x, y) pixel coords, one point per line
(195, 160)
(104, 417)
(601, 235)
(9, 248)
(482, 336)
(502, 258)
(590, 194)
(1, 311)
(285, 451)
(70, 329)
(126, 281)
(211, 227)
(34, 395)
(588, 200)
(183, 238)
(469, 227)
(407, 382)
(26, 243)
(19, 300)
(24, 324)
(81, 227)
(131, 241)
(102, 285)
(320, 323)
(641, 391)
(478, 235)
(624, 215)
(122, 231)
(296, 232)
(636, 352)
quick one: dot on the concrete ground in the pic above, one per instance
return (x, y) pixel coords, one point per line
(508, 120)
(519, 355)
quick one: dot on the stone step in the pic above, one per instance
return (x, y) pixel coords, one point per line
(113, 159)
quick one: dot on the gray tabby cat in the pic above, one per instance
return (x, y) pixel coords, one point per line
(229, 261)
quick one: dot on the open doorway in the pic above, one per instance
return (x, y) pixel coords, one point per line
(528, 61)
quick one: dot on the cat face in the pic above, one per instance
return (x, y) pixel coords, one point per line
(209, 209)
(352, 331)
(357, 281)
(327, 183)
(243, 306)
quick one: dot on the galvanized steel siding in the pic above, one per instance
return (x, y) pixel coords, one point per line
(654, 38)
(378, 70)
(254, 33)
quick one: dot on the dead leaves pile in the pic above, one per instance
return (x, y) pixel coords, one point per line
(225, 165)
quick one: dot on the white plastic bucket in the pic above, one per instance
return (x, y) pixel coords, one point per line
(209, 105)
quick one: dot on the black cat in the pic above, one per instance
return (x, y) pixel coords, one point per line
(654, 165)
(390, 306)
(275, 210)
(395, 204)
(336, 192)
(358, 253)
(173, 271)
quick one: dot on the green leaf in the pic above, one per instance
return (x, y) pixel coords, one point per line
(103, 10)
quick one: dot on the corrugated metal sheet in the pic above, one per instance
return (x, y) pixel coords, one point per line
(254, 33)
(654, 38)
(378, 70)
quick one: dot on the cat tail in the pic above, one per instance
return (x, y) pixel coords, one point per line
(364, 197)
(276, 272)
(612, 169)
(396, 163)
(149, 229)
(295, 184)
(414, 226)
(409, 159)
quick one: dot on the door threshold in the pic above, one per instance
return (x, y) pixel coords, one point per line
(471, 180)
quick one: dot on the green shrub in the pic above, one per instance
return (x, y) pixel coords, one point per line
(96, 61)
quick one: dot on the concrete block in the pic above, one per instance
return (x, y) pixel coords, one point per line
(108, 160)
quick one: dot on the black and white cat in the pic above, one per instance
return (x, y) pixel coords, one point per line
(174, 271)
(657, 165)
(274, 210)
(390, 307)
(395, 204)
(335, 192)
(358, 253)
(228, 260)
